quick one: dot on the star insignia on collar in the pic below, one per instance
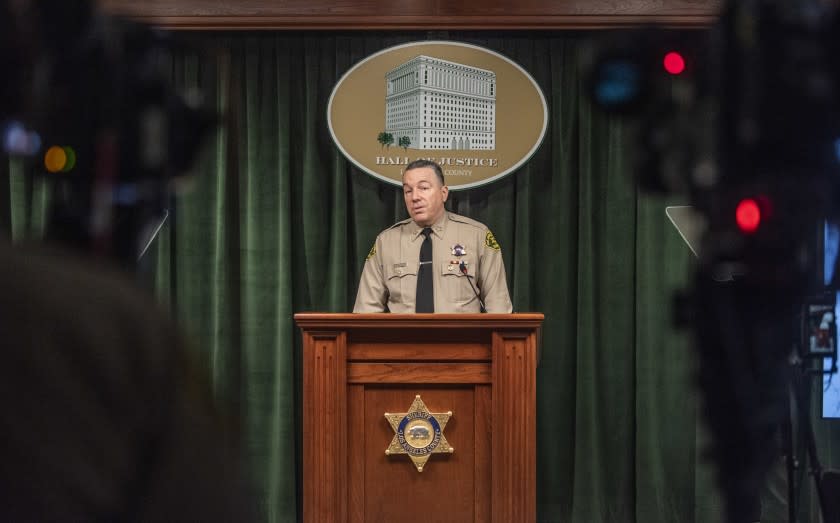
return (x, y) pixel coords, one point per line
(418, 433)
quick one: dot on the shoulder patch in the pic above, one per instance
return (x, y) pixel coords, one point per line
(491, 242)
(371, 253)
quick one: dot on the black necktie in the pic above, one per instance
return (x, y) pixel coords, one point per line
(425, 301)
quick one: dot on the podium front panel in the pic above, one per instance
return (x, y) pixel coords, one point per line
(482, 368)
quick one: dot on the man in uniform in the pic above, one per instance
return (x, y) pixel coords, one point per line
(435, 261)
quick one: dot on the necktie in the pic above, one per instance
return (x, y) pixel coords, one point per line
(425, 300)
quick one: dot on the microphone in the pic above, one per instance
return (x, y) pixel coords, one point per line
(463, 268)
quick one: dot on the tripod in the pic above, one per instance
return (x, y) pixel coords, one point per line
(801, 415)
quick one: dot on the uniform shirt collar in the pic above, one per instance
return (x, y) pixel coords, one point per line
(438, 228)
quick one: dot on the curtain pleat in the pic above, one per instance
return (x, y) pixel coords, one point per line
(278, 222)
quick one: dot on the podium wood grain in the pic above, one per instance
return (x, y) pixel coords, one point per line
(482, 367)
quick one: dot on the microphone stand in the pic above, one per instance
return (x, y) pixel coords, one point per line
(463, 268)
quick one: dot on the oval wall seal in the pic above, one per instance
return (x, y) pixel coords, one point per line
(475, 112)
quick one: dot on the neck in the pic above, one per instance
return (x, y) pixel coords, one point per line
(430, 222)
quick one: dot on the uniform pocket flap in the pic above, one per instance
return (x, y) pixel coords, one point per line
(400, 270)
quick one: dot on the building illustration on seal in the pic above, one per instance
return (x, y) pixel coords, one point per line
(432, 104)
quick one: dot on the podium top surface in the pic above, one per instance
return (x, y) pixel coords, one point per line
(387, 320)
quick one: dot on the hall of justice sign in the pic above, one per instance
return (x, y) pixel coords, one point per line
(475, 112)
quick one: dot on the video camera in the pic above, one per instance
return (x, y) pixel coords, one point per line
(87, 103)
(743, 120)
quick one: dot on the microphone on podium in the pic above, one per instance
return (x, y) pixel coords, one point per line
(463, 268)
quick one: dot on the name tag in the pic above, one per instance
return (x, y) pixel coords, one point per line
(398, 265)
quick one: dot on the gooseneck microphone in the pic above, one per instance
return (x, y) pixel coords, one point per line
(463, 268)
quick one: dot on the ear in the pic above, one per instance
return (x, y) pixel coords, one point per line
(445, 191)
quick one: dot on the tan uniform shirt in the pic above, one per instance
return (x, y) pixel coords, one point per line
(389, 278)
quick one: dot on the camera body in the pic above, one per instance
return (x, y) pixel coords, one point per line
(747, 129)
(754, 114)
(95, 90)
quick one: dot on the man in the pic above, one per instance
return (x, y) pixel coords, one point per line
(105, 414)
(435, 261)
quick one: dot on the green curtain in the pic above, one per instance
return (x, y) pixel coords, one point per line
(278, 222)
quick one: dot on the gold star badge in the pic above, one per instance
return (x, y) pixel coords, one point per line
(418, 433)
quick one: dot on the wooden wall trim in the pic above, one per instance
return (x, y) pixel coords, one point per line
(419, 15)
(394, 23)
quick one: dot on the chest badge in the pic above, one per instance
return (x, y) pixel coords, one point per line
(458, 250)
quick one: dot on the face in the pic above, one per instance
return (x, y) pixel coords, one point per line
(424, 195)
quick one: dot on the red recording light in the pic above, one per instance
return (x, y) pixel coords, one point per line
(674, 63)
(748, 215)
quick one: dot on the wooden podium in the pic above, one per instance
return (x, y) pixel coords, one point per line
(357, 367)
